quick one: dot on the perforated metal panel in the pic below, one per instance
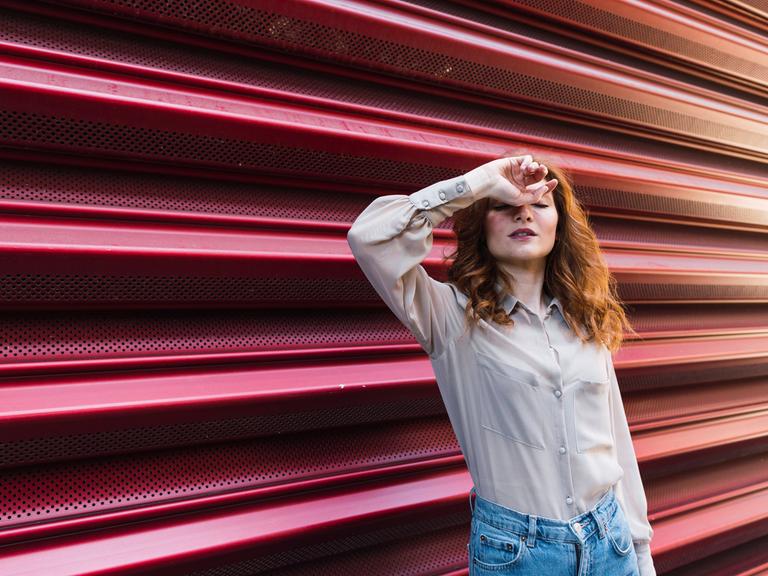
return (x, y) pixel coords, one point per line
(195, 377)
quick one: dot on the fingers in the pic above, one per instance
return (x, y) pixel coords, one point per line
(531, 169)
(526, 171)
(534, 187)
(550, 185)
(537, 189)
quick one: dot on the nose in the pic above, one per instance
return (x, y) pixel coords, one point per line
(523, 211)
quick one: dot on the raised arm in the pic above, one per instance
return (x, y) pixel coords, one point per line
(391, 238)
(393, 235)
(629, 490)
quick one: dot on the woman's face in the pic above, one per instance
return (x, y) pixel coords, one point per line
(502, 220)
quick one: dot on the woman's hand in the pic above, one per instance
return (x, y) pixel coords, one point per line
(516, 180)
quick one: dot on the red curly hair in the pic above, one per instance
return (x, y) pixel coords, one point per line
(575, 272)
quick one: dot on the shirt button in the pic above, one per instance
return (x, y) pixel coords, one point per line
(442, 195)
(558, 393)
(562, 449)
(569, 500)
(425, 202)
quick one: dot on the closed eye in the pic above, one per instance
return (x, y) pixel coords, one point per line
(502, 206)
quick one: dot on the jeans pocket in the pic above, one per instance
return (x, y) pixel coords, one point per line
(619, 533)
(495, 549)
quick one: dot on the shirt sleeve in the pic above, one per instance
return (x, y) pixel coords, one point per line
(391, 238)
(629, 490)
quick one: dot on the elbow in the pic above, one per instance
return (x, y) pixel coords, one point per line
(352, 237)
(355, 241)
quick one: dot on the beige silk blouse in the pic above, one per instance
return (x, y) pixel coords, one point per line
(537, 413)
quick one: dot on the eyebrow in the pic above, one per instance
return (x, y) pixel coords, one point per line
(548, 196)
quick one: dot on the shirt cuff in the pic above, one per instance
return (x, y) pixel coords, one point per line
(644, 559)
(440, 193)
(441, 199)
(478, 179)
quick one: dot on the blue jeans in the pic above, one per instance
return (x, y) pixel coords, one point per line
(596, 543)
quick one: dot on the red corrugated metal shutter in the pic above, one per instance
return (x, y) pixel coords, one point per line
(196, 378)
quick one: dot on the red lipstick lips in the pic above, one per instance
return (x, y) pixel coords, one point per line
(522, 233)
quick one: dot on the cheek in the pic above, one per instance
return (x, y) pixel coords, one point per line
(492, 225)
(495, 232)
(551, 225)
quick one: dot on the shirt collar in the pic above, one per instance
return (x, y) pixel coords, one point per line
(510, 301)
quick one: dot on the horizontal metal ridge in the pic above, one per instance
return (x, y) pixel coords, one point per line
(749, 15)
(178, 545)
(604, 96)
(373, 96)
(62, 405)
(70, 404)
(48, 236)
(421, 41)
(92, 264)
(701, 529)
(210, 475)
(665, 32)
(705, 209)
(157, 339)
(674, 449)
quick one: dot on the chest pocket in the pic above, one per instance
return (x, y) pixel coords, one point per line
(591, 413)
(511, 401)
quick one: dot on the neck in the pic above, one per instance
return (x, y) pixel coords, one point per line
(528, 286)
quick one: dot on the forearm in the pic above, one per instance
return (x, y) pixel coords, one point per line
(441, 199)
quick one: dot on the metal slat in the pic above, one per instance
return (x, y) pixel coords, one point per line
(183, 544)
(363, 28)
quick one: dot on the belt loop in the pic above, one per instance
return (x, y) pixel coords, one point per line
(471, 504)
(531, 530)
(600, 525)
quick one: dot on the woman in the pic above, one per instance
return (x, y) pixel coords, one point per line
(520, 340)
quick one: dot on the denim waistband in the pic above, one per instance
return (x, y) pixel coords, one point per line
(577, 529)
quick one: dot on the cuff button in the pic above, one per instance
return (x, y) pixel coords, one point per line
(425, 202)
(459, 188)
(442, 195)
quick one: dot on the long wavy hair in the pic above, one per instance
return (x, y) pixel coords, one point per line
(575, 272)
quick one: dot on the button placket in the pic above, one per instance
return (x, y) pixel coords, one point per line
(558, 392)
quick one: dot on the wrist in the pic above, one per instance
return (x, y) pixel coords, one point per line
(479, 181)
